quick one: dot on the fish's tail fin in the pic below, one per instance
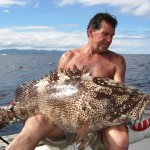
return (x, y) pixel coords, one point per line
(5, 117)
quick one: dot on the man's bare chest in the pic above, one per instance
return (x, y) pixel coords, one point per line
(96, 68)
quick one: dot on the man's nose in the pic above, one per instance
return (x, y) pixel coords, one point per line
(109, 39)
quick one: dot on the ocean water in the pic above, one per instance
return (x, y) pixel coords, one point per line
(16, 69)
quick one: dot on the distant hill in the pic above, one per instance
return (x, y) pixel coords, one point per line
(16, 51)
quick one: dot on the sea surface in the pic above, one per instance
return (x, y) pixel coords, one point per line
(16, 69)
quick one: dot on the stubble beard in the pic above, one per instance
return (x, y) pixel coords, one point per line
(103, 48)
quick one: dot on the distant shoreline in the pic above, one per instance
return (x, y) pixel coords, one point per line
(35, 51)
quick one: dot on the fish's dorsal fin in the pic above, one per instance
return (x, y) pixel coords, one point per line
(53, 77)
(74, 73)
(26, 89)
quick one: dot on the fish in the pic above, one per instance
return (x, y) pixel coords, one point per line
(77, 102)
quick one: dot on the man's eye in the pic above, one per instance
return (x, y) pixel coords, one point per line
(105, 33)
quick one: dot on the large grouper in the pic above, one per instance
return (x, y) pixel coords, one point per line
(77, 102)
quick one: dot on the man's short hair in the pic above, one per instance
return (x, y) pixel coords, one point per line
(95, 22)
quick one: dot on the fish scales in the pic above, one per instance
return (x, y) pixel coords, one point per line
(74, 99)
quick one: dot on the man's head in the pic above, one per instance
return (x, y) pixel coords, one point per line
(100, 31)
(95, 22)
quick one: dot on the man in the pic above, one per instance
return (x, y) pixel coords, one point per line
(100, 62)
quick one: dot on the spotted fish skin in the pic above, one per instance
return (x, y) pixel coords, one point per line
(74, 99)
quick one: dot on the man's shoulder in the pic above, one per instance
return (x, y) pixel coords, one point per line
(115, 55)
(71, 53)
(116, 58)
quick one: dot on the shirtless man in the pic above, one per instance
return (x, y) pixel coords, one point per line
(101, 62)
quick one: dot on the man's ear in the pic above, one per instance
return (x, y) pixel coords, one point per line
(90, 32)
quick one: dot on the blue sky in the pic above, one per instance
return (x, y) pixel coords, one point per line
(61, 24)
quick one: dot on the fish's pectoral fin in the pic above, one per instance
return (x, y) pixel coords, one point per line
(82, 131)
(86, 141)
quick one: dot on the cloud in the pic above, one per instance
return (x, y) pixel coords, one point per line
(136, 7)
(48, 38)
(8, 3)
(39, 37)
(6, 11)
(131, 44)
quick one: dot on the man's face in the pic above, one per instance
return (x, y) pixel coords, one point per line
(102, 38)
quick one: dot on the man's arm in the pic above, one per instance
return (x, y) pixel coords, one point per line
(120, 70)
